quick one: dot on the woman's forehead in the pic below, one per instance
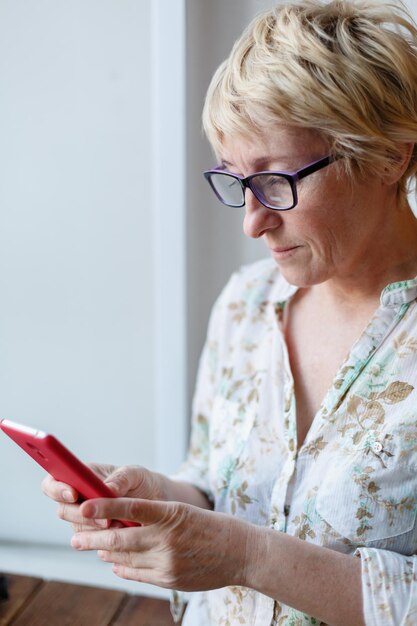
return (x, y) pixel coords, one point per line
(285, 144)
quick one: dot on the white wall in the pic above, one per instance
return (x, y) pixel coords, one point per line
(76, 231)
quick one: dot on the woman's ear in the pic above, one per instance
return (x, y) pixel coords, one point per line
(398, 163)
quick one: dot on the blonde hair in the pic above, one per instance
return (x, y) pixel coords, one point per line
(346, 68)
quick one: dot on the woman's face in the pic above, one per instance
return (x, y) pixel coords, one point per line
(336, 223)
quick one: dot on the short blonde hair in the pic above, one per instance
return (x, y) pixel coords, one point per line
(346, 68)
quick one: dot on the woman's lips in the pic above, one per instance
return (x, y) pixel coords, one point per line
(284, 252)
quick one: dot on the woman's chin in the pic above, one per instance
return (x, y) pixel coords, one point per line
(302, 276)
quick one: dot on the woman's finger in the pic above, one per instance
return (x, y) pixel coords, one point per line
(132, 509)
(144, 575)
(102, 470)
(139, 575)
(131, 559)
(60, 492)
(71, 513)
(131, 480)
(111, 540)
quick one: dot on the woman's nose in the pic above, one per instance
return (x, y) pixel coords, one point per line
(258, 218)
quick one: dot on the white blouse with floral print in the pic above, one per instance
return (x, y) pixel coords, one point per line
(352, 485)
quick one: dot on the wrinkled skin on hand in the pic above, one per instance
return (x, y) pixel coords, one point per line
(130, 481)
(178, 546)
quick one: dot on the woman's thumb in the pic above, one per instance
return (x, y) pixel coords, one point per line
(120, 481)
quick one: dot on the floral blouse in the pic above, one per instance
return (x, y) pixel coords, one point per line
(352, 485)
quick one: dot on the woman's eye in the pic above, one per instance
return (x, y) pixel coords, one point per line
(275, 181)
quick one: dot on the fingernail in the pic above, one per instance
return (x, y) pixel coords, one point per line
(75, 542)
(101, 523)
(67, 496)
(92, 510)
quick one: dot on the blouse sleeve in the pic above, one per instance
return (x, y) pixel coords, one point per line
(389, 587)
(194, 470)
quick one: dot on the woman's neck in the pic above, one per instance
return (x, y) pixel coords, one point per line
(391, 257)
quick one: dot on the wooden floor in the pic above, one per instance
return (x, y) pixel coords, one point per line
(34, 602)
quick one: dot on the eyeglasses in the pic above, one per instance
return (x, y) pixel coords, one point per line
(275, 190)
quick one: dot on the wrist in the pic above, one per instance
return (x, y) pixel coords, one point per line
(256, 542)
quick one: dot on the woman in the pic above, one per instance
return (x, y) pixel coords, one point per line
(297, 503)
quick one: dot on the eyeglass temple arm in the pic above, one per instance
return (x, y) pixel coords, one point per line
(318, 165)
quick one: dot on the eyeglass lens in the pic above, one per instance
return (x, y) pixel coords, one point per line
(270, 189)
(228, 189)
(274, 190)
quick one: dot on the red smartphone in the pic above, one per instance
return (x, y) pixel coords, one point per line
(58, 461)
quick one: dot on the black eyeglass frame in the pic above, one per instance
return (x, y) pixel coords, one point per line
(291, 177)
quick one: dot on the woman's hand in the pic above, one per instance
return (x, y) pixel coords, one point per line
(129, 481)
(178, 546)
